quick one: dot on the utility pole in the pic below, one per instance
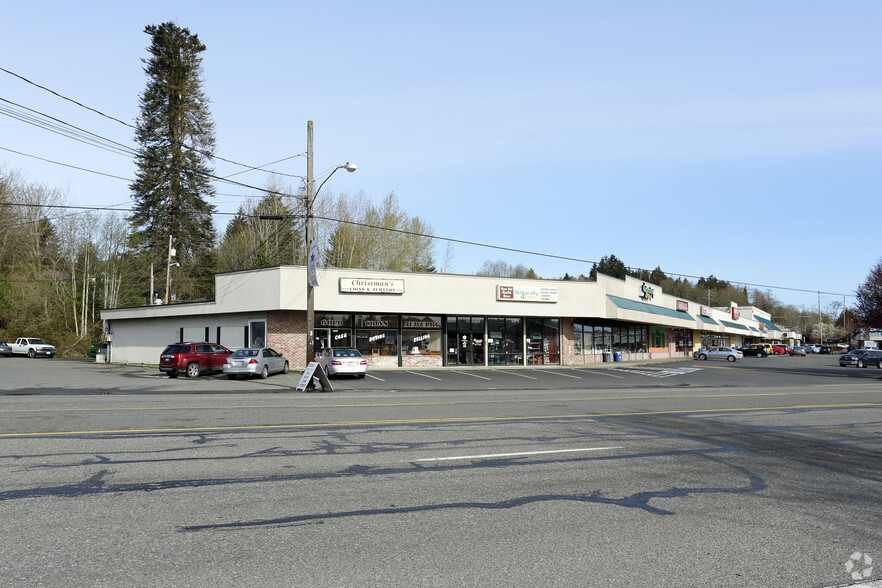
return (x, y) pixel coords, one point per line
(168, 265)
(310, 294)
(820, 320)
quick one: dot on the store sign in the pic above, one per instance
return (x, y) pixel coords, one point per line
(371, 286)
(646, 293)
(377, 324)
(735, 313)
(423, 324)
(682, 306)
(526, 294)
(705, 311)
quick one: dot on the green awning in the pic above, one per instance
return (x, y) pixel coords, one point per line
(734, 325)
(650, 308)
(708, 320)
(754, 329)
(769, 324)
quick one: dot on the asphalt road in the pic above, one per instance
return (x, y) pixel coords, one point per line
(762, 473)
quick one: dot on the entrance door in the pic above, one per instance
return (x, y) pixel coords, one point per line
(465, 337)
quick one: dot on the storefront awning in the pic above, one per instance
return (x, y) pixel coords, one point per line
(708, 320)
(735, 325)
(769, 324)
(650, 308)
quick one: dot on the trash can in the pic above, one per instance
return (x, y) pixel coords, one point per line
(100, 357)
(607, 356)
(618, 356)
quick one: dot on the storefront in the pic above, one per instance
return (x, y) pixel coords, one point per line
(399, 319)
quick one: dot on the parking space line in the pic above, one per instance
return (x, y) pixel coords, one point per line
(519, 454)
(557, 373)
(423, 375)
(602, 372)
(375, 377)
(515, 374)
(468, 374)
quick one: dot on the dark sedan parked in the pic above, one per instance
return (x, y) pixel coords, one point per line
(861, 358)
(755, 350)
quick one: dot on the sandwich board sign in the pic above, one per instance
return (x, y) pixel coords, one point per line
(314, 370)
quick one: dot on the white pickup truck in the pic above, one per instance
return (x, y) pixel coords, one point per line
(32, 347)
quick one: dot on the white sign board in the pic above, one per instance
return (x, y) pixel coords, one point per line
(371, 286)
(526, 293)
(309, 373)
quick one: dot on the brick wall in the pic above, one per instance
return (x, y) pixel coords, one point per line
(286, 333)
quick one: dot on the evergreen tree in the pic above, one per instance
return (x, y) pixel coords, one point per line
(868, 309)
(175, 135)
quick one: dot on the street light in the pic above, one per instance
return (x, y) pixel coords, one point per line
(312, 252)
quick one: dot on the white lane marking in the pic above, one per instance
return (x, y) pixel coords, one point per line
(375, 377)
(423, 375)
(602, 372)
(521, 454)
(468, 374)
(514, 374)
(556, 373)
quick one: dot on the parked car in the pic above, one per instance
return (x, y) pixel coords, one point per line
(255, 361)
(193, 359)
(32, 347)
(338, 362)
(778, 349)
(755, 349)
(825, 350)
(812, 348)
(724, 353)
(798, 350)
(97, 348)
(5, 349)
(861, 358)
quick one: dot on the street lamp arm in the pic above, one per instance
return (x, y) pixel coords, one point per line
(350, 167)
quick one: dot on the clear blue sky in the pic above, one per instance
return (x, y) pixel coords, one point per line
(740, 139)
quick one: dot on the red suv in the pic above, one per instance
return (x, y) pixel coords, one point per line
(193, 359)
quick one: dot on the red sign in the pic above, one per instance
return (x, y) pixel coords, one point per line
(506, 292)
(682, 306)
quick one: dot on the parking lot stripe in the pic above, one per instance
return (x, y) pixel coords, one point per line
(557, 374)
(519, 454)
(423, 375)
(375, 377)
(468, 374)
(515, 374)
(602, 372)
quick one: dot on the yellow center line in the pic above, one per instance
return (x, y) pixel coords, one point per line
(436, 420)
(443, 403)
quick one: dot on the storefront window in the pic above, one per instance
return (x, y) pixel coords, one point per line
(505, 341)
(327, 321)
(376, 321)
(376, 342)
(421, 342)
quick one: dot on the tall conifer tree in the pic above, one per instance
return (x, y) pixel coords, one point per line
(175, 135)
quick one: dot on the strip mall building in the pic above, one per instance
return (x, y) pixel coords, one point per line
(408, 319)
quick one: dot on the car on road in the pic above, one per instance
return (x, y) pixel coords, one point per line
(861, 358)
(825, 350)
(5, 349)
(779, 349)
(255, 361)
(812, 348)
(193, 359)
(723, 353)
(339, 362)
(755, 349)
(798, 350)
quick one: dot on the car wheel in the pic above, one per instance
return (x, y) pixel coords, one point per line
(193, 370)
(231, 376)
(702, 357)
(264, 373)
(860, 363)
(286, 368)
(31, 353)
(761, 354)
(731, 358)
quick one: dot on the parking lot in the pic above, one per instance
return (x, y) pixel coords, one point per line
(22, 376)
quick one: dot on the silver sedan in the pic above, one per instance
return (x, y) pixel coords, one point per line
(725, 353)
(255, 361)
(338, 362)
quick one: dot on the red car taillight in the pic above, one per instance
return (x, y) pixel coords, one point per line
(336, 362)
(253, 361)
(362, 362)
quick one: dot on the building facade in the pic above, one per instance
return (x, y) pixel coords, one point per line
(399, 319)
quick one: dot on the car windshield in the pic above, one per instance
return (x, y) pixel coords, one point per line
(36, 341)
(245, 353)
(345, 353)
